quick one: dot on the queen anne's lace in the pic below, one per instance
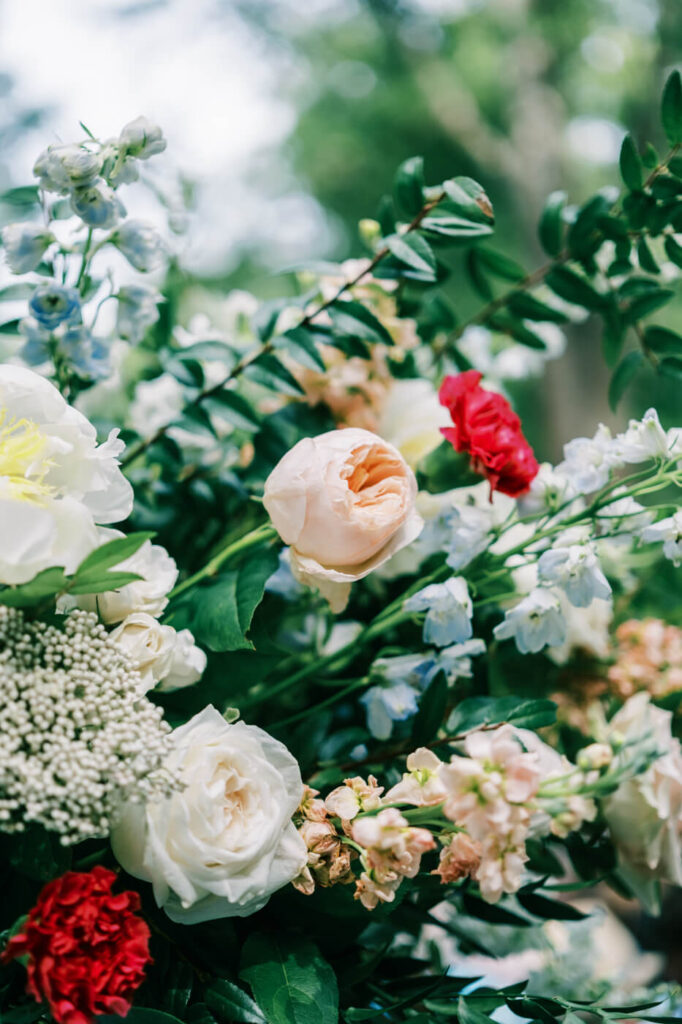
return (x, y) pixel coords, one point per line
(77, 734)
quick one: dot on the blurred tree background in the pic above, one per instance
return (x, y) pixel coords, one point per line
(526, 96)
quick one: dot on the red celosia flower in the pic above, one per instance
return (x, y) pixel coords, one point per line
(86, 947)
(487, 429)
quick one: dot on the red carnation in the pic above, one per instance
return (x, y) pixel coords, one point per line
(487, 429)
(86, 947)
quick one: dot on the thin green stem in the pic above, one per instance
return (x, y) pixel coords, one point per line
(260, 535)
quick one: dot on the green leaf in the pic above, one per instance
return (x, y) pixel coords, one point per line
(493, 913)
(500, 265)
(673, 250)
(46, 584)
(623, 376)
(671, 109)
(300, 343)
(551, 226)
(415, 252)
(220, 612)
(24, 195)
(645, 257)
(468, 199)
(458, 229)
(663, 341)
(523, 305)
(356, 319)
(671, 366)
(235, 408)
(630, 164)
(110, 554)
(475, 712)
(230, 1003)
(542, 906)
(141, 1015)
(477, 275)
(409, 185)
(290, 981)
(571, 287)
(467, 1014)
(647, 303)
(432, 705)
(516, 329)
(97, 583)
(268, 371)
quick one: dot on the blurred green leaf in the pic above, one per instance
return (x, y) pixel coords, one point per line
(623, 376)
(551, 226)
(630, 164)
(671, 109)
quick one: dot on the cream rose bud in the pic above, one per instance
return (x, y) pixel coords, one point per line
(220, 846)
(345, 502)
(187, 664)
(148, 644)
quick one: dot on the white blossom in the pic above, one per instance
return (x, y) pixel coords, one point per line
(142, 138)
(535, 622)
(140, 243)
(77, 736)
(448, 610)
(576, 570)
(670, 532)
(588, 461)
(643, 440)
(149, 594)
(25, 245)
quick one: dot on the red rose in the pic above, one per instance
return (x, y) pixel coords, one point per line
(487, 429)
(86, 947)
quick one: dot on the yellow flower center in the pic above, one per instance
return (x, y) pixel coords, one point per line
(23, 463)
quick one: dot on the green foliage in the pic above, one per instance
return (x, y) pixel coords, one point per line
(291, 982)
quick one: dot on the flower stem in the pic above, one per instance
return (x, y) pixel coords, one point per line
(262, 534)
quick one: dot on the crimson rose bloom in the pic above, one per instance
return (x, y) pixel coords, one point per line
(86, 947)
(487, 429)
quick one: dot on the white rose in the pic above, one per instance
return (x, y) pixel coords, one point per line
(222, 845)
(187, 663)
(149, 594)
(411, 419)
(56, 483)
(148, 644)
(345, 502)
(644, 815)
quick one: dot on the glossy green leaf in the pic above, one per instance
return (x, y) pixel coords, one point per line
(432, 706)
(551, 226)
(630, 164)
(414, 251)
(290, 980)
(623, 376)
(230, 1003)
(663, 341)
(409, 185)
(571, 287)
(354, 318)
(671, 109)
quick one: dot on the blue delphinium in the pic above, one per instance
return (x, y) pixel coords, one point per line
(53, 304)
(448, 611)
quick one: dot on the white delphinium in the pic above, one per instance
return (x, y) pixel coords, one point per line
(624, 517)
(142, 138)
(576, 569)
(140, 243)
(535, 622)
(56, 482)
(25, 246)
(64, 167)
(148, 594)
(448, 610)
(588, 461)
(550, 491)
(643, 440)
(77, 735)
(138, 310)
(470, 536)
(669, 531)
(587, 630)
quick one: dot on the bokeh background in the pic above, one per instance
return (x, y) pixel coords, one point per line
(286, 121)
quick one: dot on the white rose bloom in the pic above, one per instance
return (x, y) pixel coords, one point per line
(56, 483)
(222, 845)
(148, 644)
(644, 815)
(416, 434)
(187, 665)
(345, 502)
(149, 594)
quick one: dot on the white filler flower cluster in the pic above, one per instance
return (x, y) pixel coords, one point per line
(77, 735)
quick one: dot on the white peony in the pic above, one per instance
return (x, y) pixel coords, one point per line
(56, 482)
(222, 845)
(345, 502)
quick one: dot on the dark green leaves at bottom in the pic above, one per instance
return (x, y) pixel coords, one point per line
(230, 1003)
(290, 980)
(623, 376)
(432, 705)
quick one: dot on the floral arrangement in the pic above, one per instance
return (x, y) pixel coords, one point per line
(315, 684)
